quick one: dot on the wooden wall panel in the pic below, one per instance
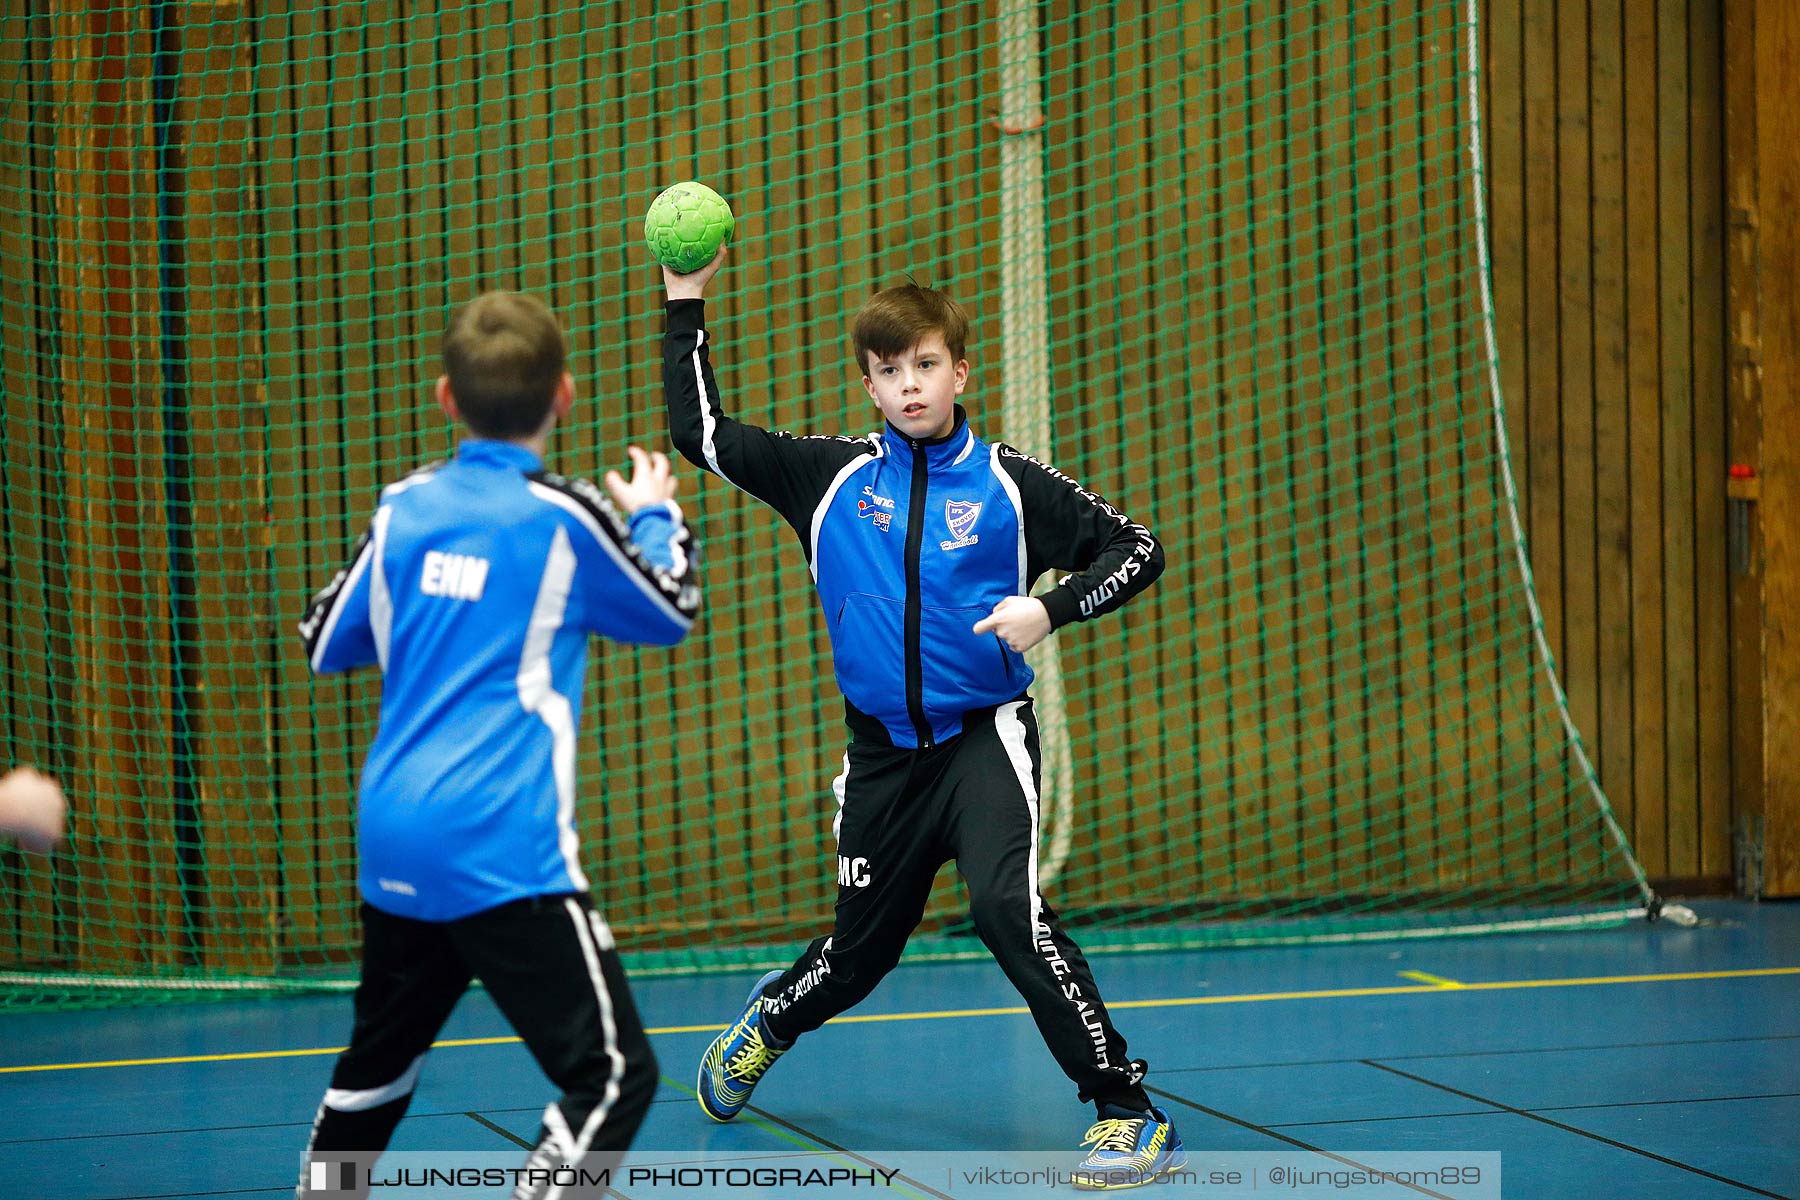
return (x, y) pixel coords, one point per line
(111, 384)
(33, 699)
(1618, 409)
(1775, 350)
(785, 824)
(1650, 728)
(735, 771)
(1449, 794)
(1677, 221)
(1199, 523)
(1743, 438)
(1179, 726)
(1334, 261)
(1712, 785)
(228, 630)
(1417, 393)
(315, 521)
(1609, 737)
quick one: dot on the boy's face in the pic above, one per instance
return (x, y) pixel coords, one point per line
(916, 390)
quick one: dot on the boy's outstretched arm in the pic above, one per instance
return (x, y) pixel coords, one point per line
(337, 629)
(348, 624)
(632, 557)
(786, 472)
(1110, 557)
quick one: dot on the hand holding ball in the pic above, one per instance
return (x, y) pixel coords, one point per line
(686, 225)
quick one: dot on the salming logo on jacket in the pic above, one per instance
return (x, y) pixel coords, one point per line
(475, 590)
(911, 542)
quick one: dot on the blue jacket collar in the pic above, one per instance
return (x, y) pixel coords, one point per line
(939, 452)
(488, 452)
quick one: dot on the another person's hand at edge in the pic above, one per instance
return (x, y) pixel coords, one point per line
(32, 809)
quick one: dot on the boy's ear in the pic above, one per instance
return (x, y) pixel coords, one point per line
(962, 375)
(446, 399)
(565, 396)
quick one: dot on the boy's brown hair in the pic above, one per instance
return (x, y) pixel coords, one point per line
(896, 319)
(504, 353)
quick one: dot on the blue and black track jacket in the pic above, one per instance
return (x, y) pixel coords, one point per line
(911, 542)
(475, 590)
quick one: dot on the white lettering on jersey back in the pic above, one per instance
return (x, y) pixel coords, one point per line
(458, 576)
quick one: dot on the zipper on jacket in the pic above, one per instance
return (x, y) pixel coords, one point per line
(915, 539)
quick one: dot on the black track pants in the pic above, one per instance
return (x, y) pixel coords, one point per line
(550, 966)
(902, 815)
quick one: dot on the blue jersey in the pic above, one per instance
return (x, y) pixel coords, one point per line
(475, 590)
(939, 521)
(911, 542)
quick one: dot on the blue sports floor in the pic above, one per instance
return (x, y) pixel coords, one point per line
(1649, 1062)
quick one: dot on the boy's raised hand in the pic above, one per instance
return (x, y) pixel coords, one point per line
(652, 481)
(692, 286)
(1019, 621)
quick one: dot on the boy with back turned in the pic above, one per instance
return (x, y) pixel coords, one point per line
(476, 591)
(923, 540)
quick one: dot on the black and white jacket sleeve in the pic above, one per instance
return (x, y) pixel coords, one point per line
(336, 628)
(789, 473)
(1110, 558)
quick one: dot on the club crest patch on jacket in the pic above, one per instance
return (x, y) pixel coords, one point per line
(961, 515)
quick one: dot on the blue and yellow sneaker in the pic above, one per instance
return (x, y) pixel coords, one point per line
(1129, 1148)
(737, 1058)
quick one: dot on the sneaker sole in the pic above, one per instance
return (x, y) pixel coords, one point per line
(1175, 1161)
(701, 1087)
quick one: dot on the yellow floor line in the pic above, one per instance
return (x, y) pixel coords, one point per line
(1437, 986)
(1435, 980)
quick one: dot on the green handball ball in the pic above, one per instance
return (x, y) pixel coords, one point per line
(686, 225)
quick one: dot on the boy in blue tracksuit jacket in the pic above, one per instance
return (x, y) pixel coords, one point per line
(476, 590)
(923, 541)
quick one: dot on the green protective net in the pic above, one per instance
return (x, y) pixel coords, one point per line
(1223, 264)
